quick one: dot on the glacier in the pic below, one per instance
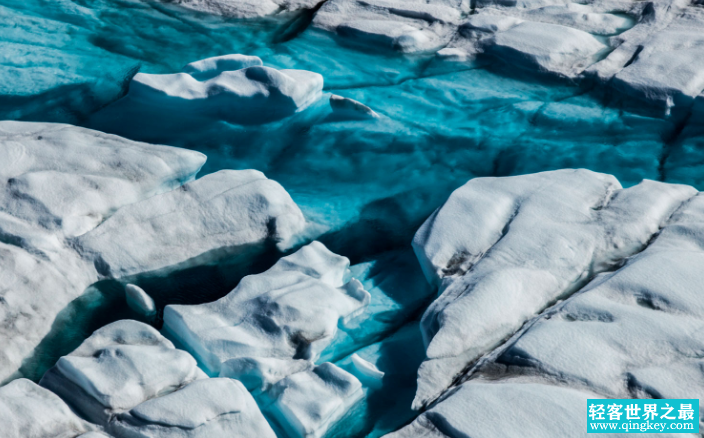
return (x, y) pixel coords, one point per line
(346, 218)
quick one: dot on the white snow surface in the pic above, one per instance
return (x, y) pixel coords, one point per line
(30, 411)
(504, 249)
(58, 182)
(631, 332)
(291, 311)
(306, 404)
(78, 205)
(229, 210)
(640, 325)
(208, 408)
(507, 409)
(118, 367)
(546, 47)
(247, 8)
(234, 88)
(405, 26)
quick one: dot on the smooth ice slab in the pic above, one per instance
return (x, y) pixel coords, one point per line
(28, 410)
(118, 367)
(653, 300)
(503, 249)
(512, 409)
(247, 8)
(658, 60)
(228, 211)
(66, 179)
(669, 72)
(217, 408)
(546, 47)
(634, 332)
(139, 301)
(588, 18)
(291, 311)
(233, 88)
(404, 26)
(306, 404)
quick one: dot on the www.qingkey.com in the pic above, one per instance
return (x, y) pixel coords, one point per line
(643, 427)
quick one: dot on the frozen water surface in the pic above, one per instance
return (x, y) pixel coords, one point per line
(394, 130)
(442, 122)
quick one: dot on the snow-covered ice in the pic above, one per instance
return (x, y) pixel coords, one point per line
(68, 180)
(503, 249)
(234, 88)
(291, 311)
(306, 404)
(632, 332)
(546, 47)
(408, 27)
(139, 301)
(58, 182)
(247, 8)
(78, 205)
(217, 408)
(525, 409)
(617, 319)
(228, 211)
(28, 410)
(120, 366)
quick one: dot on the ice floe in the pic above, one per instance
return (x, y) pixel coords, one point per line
(504, 249)
(306, 404)
(28, 410)
(291, 311)
(233, 88)
(218, 408)
(79, 205)
(652, 300)
(247, 8)
(58, 182)
(120, 366)
(227, 211)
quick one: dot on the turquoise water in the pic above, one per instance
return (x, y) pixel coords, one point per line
(443, 123)
(368, 183)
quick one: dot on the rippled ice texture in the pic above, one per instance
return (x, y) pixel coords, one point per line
(370, 182)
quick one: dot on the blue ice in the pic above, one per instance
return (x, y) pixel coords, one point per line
(368, 183)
